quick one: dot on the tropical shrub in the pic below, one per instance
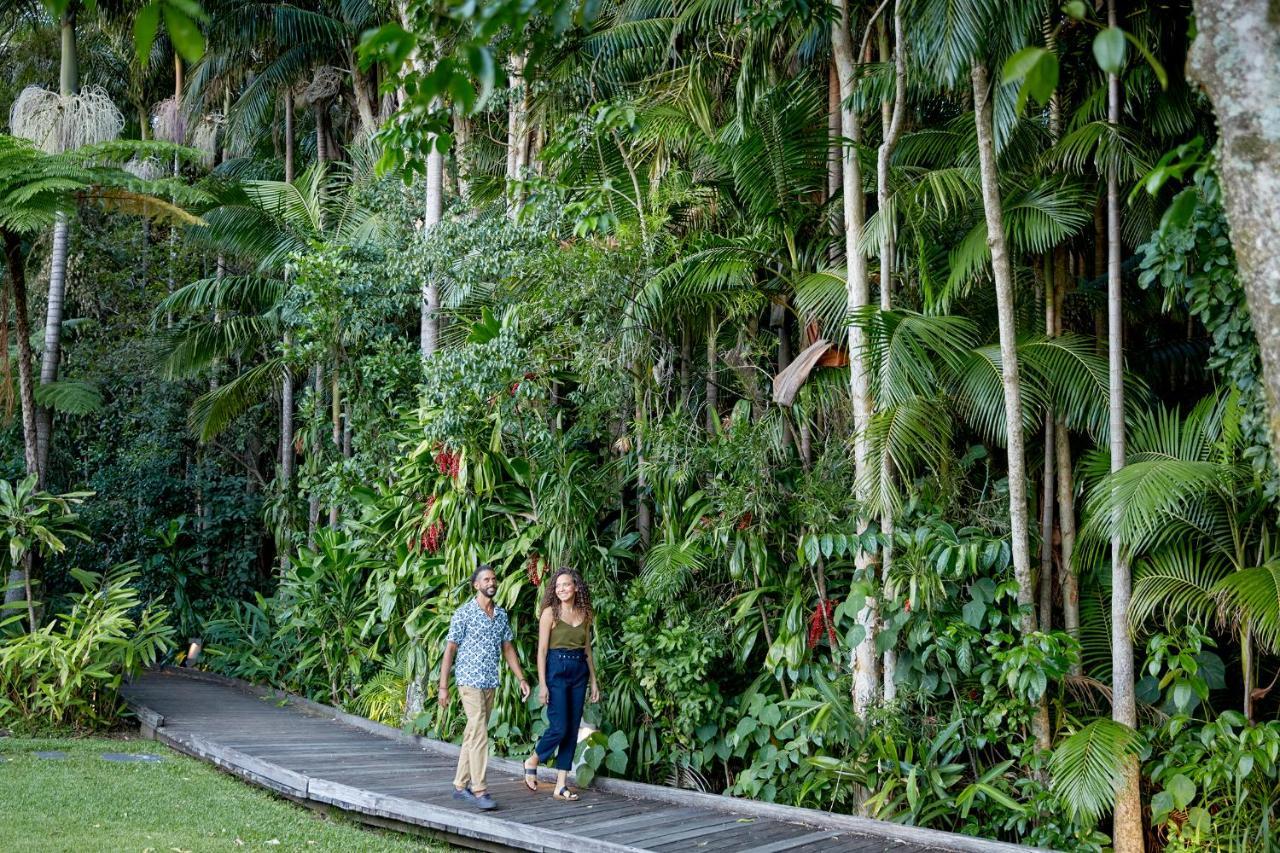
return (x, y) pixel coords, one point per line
(67, 674)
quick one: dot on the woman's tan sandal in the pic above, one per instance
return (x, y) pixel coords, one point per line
(531, 777)
(565, 794)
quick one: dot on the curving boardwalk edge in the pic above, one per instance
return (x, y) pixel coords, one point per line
(319, 755)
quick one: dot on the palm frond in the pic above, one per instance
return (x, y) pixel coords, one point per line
(1089, 766)
(1252, 597)
(213, 412)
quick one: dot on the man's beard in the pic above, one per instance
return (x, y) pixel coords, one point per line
(489, 591)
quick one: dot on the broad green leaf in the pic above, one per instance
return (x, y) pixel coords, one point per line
(1109, 50)
(145, 24)
(973, 613)
(1182, 789)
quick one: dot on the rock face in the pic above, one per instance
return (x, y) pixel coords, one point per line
(1236, 59)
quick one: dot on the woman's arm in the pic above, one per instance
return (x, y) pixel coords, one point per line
(591, 665)
(545, 623)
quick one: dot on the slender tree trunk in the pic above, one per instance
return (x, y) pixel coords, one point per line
(286, 454)
(1063, 468)
(713, 390)
(686, 363)
(430, 322)
(1067, 526)
(363, 94)
(517, 133)
(20, 577)
(68, 84)
(1050, 457)
(892, 118)
(1234, 58)
(461, 143)
(335, 422)
(866, 678)
(320, 111)
(835, 156)
(313, 508)
(1128, 823)
(1006, 319)
(288, 136)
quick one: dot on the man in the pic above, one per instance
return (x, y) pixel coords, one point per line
(478, 633)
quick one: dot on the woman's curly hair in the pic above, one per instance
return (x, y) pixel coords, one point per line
(581, 596)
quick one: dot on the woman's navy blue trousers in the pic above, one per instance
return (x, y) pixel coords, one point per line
(567, 689)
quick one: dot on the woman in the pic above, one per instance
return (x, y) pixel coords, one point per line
(565, 667)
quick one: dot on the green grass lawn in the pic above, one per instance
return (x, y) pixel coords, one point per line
(83, 803)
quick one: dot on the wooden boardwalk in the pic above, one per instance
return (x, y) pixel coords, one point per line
(323, 757)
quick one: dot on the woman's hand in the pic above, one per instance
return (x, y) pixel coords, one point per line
(544, 695)
(595, 692)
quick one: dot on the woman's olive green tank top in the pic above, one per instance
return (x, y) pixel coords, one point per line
(566, 636)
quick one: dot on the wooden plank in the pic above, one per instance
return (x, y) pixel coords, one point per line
(798, 840)
(293, 745)
(655, 835)
(263, 773)
(467, 824)
(749, 835)
(565, 815)
(892, 832)
(659, 816)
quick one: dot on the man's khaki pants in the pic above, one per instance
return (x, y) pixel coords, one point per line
(477, 702)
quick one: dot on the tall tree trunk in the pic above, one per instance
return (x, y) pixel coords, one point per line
(1128, 824)
(363, 94)
(19, 586)
(866, 680)
(713, 357)
(430, 321)
(286, 454)
(335, 423)
(461, 154)
(1234, 58)
(1006, 319)
(313, 507)
(68, 84)
(1048, 492)
(321, 111)
(835, 156)
(892, 118)
(517, 133)
(288, 135)
(686, 364)
(1068, 580)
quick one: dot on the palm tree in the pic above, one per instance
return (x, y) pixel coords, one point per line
(858, 295)
(61, 122)
(1188, 510)
(35, 190)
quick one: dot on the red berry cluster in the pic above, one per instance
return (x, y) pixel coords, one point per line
(745, 521)
(448, 462)
(433, 537)
(532, 569)
(823, 618)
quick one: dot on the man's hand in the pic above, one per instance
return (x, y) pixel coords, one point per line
(524, 690)
(442, 696)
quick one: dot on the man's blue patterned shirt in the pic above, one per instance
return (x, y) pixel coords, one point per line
(479, 640)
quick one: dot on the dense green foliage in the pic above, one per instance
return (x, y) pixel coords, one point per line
(628, 344)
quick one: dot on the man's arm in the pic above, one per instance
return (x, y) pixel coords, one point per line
(442, 695)
(513, 661)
